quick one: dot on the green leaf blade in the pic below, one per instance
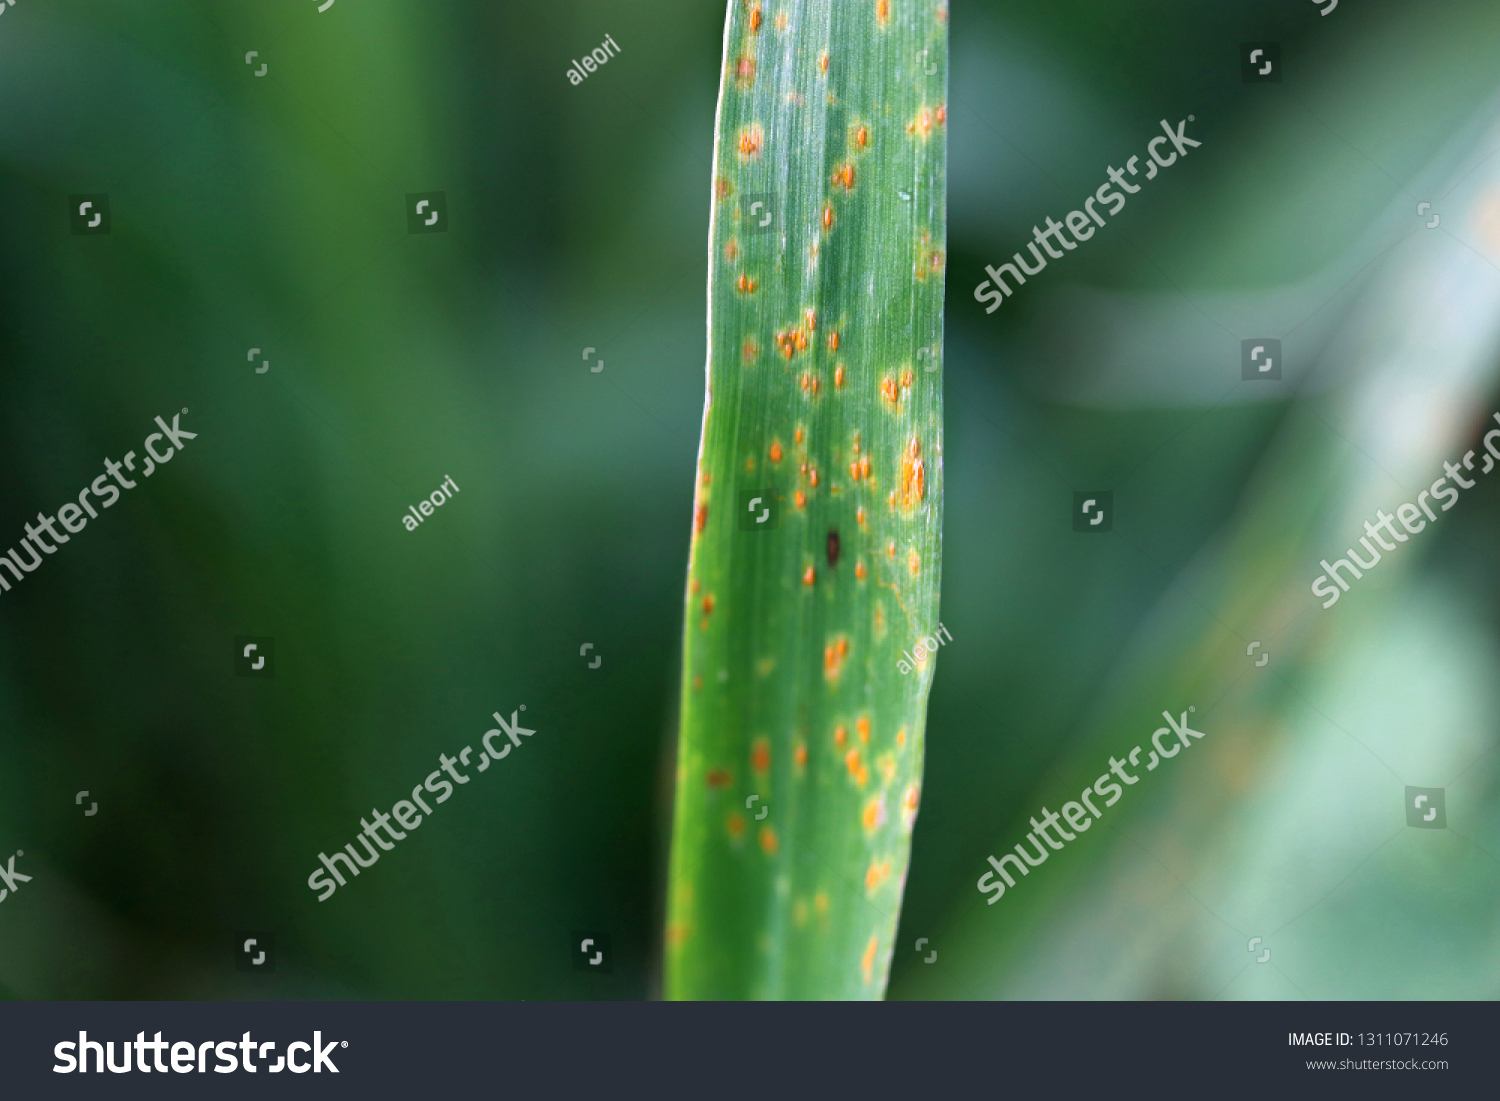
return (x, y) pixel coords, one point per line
(825, 401)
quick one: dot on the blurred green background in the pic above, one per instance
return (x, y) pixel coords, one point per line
(269, 212)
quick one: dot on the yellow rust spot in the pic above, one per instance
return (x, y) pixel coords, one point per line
(760, 756)
(838, 374)
(823, 63)
(693, 586)
(745, 285)
(812, 477)
(901, 736)
(781, 21)
(909, 806)
(882, 16)
(798, 434)
(828, 216)
(834, 655)
(768, 842)
(914, 562)
(755, 19)
(840, 734)
(876, 874)
(751, 138)
(799, 756)
(906, 379)
(867, 961)
(749, 464)
(735, 824)
(886, 763)
(748, 351)
(744, 71)
(859, 570)
(810, 319)
(820, 903)
(800, 500)
(913, 477)
(888, 388)
(873, 816)
(776, 451)
(731, 250)
(723, 188)
(861, 519)
(863, 726)
(708, 604)
(833, 341)
(862, 137)
(922, 123)
(856, 767)
(764, 666)
(809, 575)
(890, 549)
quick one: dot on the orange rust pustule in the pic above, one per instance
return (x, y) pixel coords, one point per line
(746, 285)
(914, 562)
(735, 824)
(768, 842)
(760, 756)
(838, 375)
(828, 217)
(744, 71)
(809, 575)
(708, 604)
(776, 451)
(888, 388)
(723, 187)
(719, 778)
(800, 500)
(874, 814)
(840, 735)
(833, 341)
(941, 115)
(731, 251)
(862, 137)
(748, 351)
(859, 571)
(845, 177)
(876, 874)
(867, 961)
(823, 63)
(863, 726)
(882, 12)
(799, 756)
(913, 476)
(700, 519)
(751, 138)
(755, 19)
